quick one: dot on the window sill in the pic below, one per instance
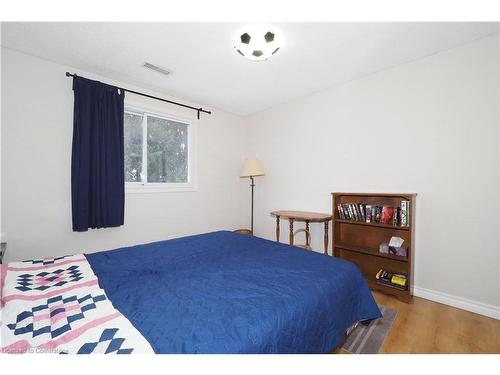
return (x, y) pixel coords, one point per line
(145, 189)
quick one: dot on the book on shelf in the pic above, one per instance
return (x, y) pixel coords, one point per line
(370, 213)
(396, 220)
(361, 213)
(368, 210)
(386, 215)
(378, 212)
(355, 212)
(405, 213)
(391, 279)
(391, 285)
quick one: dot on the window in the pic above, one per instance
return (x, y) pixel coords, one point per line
(158, 152)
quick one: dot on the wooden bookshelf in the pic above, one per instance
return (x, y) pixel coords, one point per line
(358, 241)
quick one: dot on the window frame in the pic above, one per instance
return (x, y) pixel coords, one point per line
(163, 187)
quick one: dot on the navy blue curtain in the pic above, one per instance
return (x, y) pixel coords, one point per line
(97, 165)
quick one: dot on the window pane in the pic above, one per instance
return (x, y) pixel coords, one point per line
(133, 147)
(167, 150)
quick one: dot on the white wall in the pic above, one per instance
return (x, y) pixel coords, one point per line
(37, 99)
(429, 127)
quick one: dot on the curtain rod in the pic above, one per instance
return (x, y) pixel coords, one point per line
(198, 110)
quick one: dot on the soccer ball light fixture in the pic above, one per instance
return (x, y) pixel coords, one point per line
(258, 43)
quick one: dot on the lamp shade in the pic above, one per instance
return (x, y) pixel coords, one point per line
(252, 167)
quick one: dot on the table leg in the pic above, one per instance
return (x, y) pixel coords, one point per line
(326, 237)
(277, 229)
(291, 231)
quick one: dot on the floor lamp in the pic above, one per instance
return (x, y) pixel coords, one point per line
(252, 168)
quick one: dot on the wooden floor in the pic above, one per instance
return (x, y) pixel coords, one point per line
(428, 327)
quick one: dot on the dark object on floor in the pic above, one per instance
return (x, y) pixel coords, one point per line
(369, 339)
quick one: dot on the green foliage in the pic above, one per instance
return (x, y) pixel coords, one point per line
(167, 149)
(133, 147)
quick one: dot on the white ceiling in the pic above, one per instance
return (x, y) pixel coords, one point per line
(207, 70)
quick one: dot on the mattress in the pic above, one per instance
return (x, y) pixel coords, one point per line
(224, 292)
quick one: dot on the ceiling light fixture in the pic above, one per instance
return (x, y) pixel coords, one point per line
(258, 43)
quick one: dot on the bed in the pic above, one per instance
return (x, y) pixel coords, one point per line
(219, 292)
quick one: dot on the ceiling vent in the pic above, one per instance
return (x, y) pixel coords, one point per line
(157, 68)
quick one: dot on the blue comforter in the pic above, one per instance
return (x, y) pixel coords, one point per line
(224, 292)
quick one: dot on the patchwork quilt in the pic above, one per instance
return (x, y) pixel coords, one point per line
(55, 305)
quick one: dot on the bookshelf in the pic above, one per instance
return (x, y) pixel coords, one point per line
(358, 241)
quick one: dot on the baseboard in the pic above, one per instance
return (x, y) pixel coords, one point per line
(491, 311)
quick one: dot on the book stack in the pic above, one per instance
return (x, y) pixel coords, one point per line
(393, 280)
(398, 216)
